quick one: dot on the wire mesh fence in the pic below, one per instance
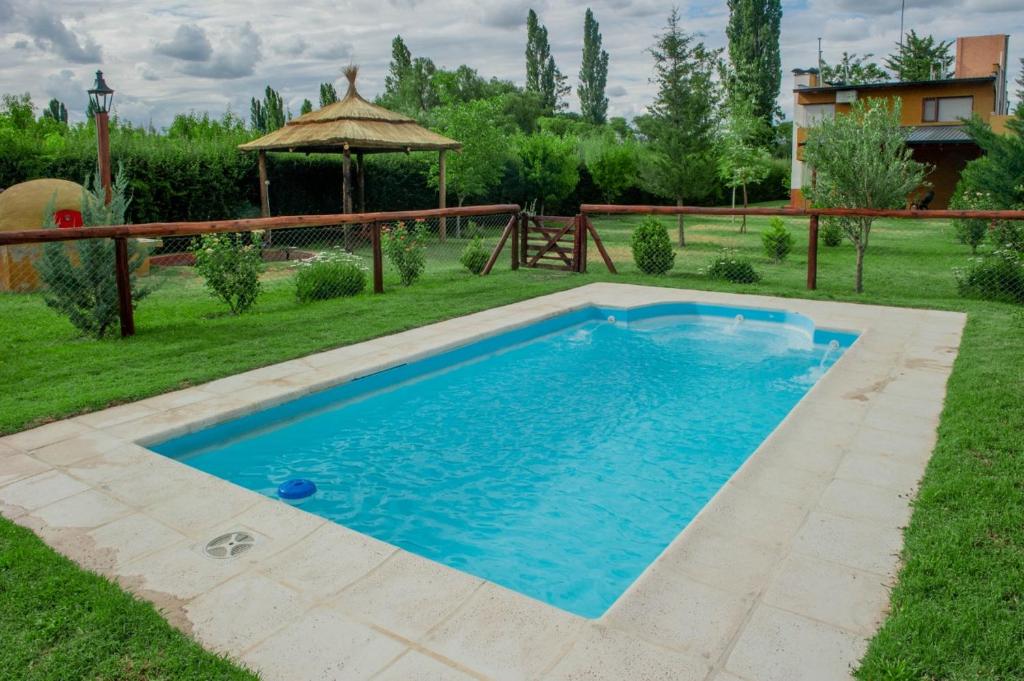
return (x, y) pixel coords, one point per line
(233, 271)
(907, 259)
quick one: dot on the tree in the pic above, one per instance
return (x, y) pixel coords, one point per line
(56, 111)
(542, 75)
(613, 163)
(1000, 172)
(680, 124)
(81, 280)
(753, 32)
(1020, 91)
(328, 95)
(408, 86)
(593, 73)
(480, 165)
(267, 115)
(306, 107)
(743, 160)
(860, 160)
(853, 70)
(548, 166)
(921, 58)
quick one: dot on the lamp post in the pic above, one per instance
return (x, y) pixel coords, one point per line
(100, 96)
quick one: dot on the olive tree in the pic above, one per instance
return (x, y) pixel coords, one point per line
(861, 161)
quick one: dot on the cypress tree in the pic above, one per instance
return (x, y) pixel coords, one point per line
(593, 73)
(753, 33)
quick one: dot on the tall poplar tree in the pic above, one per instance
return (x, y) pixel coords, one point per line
(542, 75)
(328, 94)
(593, 73)
(753, 33)
(57, 111)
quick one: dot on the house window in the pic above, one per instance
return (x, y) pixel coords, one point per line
(946, 109)
(816, 112)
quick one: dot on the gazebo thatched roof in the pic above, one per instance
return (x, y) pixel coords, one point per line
(362, 126)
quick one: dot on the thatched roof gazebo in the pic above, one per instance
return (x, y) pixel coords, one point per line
(350, 126)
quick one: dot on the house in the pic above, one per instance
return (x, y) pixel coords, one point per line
(933, 112)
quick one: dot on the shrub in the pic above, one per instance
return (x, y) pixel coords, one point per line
(331, 274)
(997, 276)
(971, 232)
(730, 266)
(652, 247)
(831, 232)
(474, 256)
(231, 267)
(81, 278)
(1007, 234)
(406, 250)
(777, 240)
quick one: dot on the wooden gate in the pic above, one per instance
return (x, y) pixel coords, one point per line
(551, 242)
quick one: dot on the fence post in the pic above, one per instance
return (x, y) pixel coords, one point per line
(514, 246)
(585, 240)
(524, 237)
(124, 287)
(378, 259)
(812, 254)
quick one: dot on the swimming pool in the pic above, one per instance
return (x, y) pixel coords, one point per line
(558, 459)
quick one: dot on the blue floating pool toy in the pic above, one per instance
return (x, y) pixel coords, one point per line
(296, 491)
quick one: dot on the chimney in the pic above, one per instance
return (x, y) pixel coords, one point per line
(805, 78)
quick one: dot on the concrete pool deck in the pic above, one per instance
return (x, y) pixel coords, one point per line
(784, 575)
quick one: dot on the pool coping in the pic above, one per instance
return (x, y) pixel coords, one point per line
(783, 575)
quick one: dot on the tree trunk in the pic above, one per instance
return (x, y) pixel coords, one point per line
(858, 284)
(743, 224)
(679, 225)
(732, 218)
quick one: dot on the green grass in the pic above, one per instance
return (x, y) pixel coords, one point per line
(60, 622)
(957, 610)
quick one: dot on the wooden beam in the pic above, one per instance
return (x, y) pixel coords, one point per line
(509, 228)
(261, 162)
(442, 191)
(124, 287)
(151, 229)
(346, 181)
(361, 181)
(812, 254)
(378, 259)
(600, 246)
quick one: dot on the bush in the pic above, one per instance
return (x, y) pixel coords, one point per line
(231, 267)
(1007, 234)
(406, 250)
(997, 276)
(81, 278)
(777, 240)
(730, 266)
(474, 257)
(652, 247)
(831, 233)
(331, 274)
(971, 232)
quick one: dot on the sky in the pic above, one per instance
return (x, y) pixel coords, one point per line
(167, 56)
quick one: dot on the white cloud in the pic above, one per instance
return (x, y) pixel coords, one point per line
(189, 43)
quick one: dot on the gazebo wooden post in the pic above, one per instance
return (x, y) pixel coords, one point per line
(261, 162)
(442, 189)
(361, 181)
(346, 193)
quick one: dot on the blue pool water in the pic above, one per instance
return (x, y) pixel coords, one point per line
(558, 460)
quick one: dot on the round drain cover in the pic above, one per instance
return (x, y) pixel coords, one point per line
(229, 545)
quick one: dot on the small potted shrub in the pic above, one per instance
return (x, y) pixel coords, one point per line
(474, 256)
(331, 274)
(405, 248)
(652, 247)
(729, 265)
(777, 240)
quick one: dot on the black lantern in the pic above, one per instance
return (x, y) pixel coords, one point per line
(101, 95)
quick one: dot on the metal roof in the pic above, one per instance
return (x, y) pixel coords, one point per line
(936, 134)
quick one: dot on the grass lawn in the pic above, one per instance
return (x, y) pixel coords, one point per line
(957, 611)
